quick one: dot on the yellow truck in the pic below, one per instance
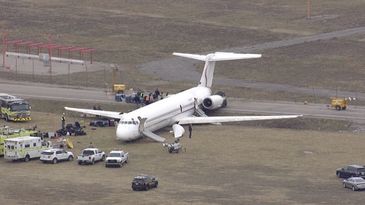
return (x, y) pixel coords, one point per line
(13, 108)
(339, 103)
(118, 88)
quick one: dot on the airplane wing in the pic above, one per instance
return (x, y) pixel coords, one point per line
(111, 114)
(206, 120)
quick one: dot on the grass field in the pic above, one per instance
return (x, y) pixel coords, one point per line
(334, 64)
(232, 164)
(134, 32)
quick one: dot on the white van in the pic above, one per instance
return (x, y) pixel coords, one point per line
(24, 148)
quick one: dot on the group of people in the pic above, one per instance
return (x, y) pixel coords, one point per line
(141, 98)
(155, 96)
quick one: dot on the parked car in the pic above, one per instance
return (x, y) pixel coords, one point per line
(351, 171)
(116, 159)
(354, 183)
(102, 122)
(56, 155)
(144, 182)
(90, 156)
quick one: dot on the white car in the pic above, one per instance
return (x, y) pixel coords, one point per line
(56, 155)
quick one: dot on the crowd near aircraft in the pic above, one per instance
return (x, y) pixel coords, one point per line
(184, 108)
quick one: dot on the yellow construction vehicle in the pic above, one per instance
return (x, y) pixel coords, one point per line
(339, 103)
(118, 88)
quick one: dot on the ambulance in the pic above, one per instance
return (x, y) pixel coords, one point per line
(24, 148)
(6, 132)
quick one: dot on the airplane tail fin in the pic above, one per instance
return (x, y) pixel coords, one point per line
(210, 59)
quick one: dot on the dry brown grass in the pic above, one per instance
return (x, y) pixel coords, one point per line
(133, 32)
(232, 164)
(334, 64)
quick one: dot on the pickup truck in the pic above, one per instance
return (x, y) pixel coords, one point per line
(90, 156)
(116, 159)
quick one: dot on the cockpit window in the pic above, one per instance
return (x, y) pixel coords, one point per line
(129, 122)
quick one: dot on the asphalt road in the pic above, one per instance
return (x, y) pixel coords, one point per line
(54, 92)
(353, 113)
(242, 106)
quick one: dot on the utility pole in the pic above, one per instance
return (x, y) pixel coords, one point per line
(33, 69)
(87, 75)
(68, 73)
(5, 45)
(49, 36)
(309, 8)
(114, 73)
(16, 68)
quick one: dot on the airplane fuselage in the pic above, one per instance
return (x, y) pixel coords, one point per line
(179, 108)
(162, 113)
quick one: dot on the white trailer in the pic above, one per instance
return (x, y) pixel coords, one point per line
(24, 148)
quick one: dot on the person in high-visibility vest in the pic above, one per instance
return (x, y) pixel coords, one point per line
(63, 121)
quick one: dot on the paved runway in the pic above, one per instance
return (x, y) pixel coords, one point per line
(235, 105)
(54, 92)
(353, 113)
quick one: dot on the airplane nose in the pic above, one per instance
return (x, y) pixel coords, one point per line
(125, 133)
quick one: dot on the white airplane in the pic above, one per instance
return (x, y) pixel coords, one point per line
(184, 108)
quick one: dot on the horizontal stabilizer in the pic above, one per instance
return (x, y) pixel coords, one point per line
(206, 120)
(218, 56)
(111, 114)
(206, 79)
(153, 136)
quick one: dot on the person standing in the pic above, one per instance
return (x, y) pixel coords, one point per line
(190, 130)
(63, 121)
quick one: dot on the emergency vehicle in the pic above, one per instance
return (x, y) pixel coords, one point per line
(6, 133)
(13, 108)
(24, 148)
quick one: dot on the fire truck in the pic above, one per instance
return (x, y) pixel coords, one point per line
(13, 108)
